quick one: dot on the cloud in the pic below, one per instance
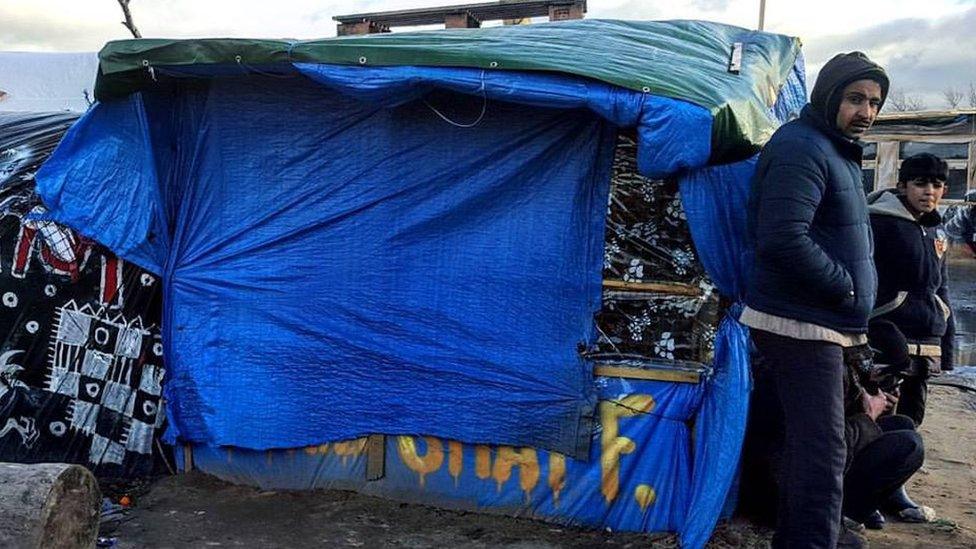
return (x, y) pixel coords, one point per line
(921, 56)
(21, 30)
(711, 5)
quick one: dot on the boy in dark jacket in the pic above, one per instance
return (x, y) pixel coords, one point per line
(812, 289)
(910, 255)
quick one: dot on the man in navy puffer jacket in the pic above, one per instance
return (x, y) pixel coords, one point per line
(812, 289)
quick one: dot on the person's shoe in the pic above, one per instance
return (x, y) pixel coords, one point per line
(849, 540)
(874, 521)
(906, 510)
(852, 525)
(899, 500)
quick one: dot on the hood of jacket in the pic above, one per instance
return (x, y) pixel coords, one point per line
(888, 202)
(836, 74)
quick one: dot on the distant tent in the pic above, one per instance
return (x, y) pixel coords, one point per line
(407, 235)
(47, 82)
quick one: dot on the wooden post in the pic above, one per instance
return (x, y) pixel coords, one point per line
(187, 458)
(375, 457)
(462, 20)
(48, 506)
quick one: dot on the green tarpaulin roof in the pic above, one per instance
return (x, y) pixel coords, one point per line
(687, 60)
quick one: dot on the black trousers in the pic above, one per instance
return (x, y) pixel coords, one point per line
(882, 466)
(912, 394)
(914, 389)
(800, 386)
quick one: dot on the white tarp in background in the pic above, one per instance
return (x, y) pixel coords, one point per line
(36, 81)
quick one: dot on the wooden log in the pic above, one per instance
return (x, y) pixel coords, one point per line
(48, 505)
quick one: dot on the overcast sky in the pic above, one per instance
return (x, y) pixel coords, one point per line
(927, 45)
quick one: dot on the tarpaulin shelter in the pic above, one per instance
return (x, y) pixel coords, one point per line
(405, 235)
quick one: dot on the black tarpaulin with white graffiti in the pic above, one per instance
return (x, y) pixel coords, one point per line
(81, 360)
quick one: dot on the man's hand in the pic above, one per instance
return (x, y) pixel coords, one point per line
(874, 405)
(891, 400)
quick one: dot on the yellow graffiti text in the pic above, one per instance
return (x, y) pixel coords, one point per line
(645, 496)
(422, 465)
(528, 463)
(557, 475)
(612, 445)
(455, 459)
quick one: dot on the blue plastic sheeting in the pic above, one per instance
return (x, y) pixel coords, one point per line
(715, 201)
(101, 180)
(370, 270)
(637, 477)
(673, 135)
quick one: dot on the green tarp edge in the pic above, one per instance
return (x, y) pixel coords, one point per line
(686, 60)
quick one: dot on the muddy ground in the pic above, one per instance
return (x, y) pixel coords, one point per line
(195, 510)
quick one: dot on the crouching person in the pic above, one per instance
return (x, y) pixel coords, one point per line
(883, 450)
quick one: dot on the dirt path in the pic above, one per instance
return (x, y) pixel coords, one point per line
(947, 481)
(195, 510)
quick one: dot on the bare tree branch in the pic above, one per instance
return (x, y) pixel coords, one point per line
(952, 97)
(128, 23)
(899, 101)
(972, 94)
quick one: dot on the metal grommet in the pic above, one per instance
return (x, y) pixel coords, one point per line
(237, 58)
(362, 60)
(145, 62)
(646, 89)
(493, 64)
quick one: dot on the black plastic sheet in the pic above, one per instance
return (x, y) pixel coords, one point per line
(81, 359)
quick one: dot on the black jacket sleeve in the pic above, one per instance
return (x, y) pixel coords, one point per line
(790, 191)
(859, 429)
(949, 339)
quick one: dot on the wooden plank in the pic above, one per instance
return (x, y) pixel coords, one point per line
(187, 458)
(654, 287)
(677, 376)
(484, 11)
(375, 457)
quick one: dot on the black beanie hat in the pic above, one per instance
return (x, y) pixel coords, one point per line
(888, 342)
(836, 74)
(923, 166)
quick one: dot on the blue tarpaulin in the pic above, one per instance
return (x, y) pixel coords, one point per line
(715, 201)
(636, 478)
(347, 253)
(340, 260)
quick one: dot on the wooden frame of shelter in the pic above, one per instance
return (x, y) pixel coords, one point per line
(950, 135)
(459, 16)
